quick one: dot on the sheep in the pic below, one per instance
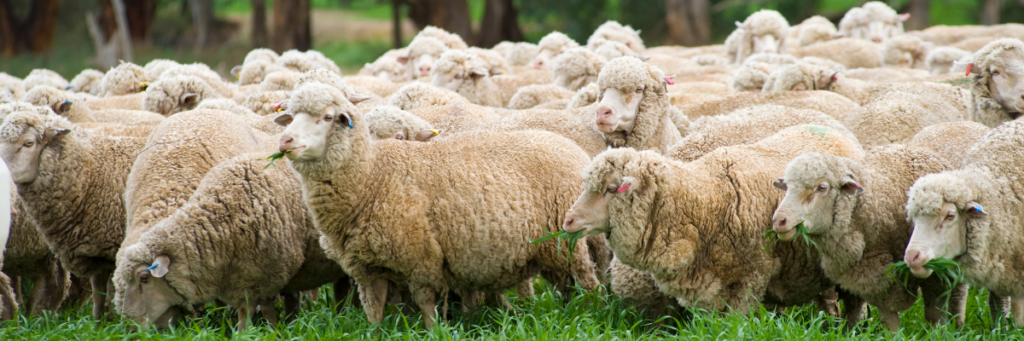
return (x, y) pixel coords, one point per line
(125, 102)
(682, 253)
(39, 77)
(12, 84)
(496, 64)
(467, 75)
(503, 47)
(124, 79)
(746, 126)
(951, 140)
(806, 76)
(830, 103)
(754, 72)
(305, 61)
(264, 258)
(281, 80)
(86, 82)
(533, 95)
(226, 105)
(378, 86)
(853, 211)
(896, 116)
(387, 122)
(891, 75)
(420, 95)
(362, 98)
(875, 21)
(940, 60)
(256, 71)
(522, 54)
(551, 46)
(762, 32)
(614, 31)
(950, 35)
(633, 111)
(905, 51)
(972, 216)
(387, 67)
(585, 96)
(8, 302)
(263, 103)
(576, 67)
(169, 96)
(156, 67)
(812, 30)
(851, 53)
(203, 72)
(342, 153)
(28, 256)
(451, 40)
(261, 54)
(75, 110)
(76, 202)
(996, 89)
(420, 56)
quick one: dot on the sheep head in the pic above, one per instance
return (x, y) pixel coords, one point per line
(817, 187)
(263, 103)
(24, 135)
(420, 56)
(627, 88)
(577, 67)
(875, 21)
(318, 116)
(58, 101)
(256, 71)
(172, 95)
(766, 30)
(801, 76)
(144, 293)
(455, 68)
(551, 46)
(942, 208)
(88, 81)
(998, 73)
(388, 121)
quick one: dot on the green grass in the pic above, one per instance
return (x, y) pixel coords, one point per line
(585, 317)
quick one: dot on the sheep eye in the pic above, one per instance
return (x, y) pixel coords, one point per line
(822, 187)
(611, 189)
(328, 118)
(29, 144)
(995, 72)
(639, 90)
(950, 216)
(399, 136)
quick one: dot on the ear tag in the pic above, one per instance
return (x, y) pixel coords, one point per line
(151, 267)
(435, 131)
(144, 85)
(350, 124)
(969, 66)
(977, 209)
(67, 87)
(623, 188)
(669, 80)
(66, 102)
(277, 107)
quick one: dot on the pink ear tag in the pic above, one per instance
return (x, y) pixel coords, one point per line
(623, 188)
(969, 69)
(670, 82)
(277, 107)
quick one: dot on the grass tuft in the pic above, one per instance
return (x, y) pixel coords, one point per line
(275, 157)
(946, 269)
(572, 237)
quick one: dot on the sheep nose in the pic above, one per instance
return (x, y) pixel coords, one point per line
(425, 70)
(604, 112)
(780, 223)
(876, 39)
(568, 223)
(285, 143)
(539, 64)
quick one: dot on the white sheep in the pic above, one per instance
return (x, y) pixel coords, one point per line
(941, 59)
(86, 82)
(12, 84)
(875, 21)
(998, 92)
(762, 32)
(633, 109)
(577, 67)
(551, 46)
(420, 55)
(614, 31)
(124, 79)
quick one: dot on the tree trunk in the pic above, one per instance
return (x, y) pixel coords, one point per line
(396, 23)
(688, 21)
(35, 33)
(291, 26)
(140, 19)
(202, 15)
(450, 15)
(919, 15)
(8, 42)
(499, 23)
(259, 23)
(990, 12)
(122, 30)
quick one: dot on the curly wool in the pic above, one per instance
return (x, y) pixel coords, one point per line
(44, 77)
(830, 103)
(577, 67)
(951, 140)
(740, 43)
(614, 31)
(522, 54)
(484, 90)
(124, 79)
(264, 54)
(419, 95)
(203, 72)
(28, 256)
(985, 109)
(851, 53)
(256, 71)
(451, 40)
(905, 51)
(166, 96)
(657, 227)
(754, 72)
(12, 84)
(896, 116)
(585, 96)
(940, 60)
(385, 122)
(262, 103)
(653, 128)
(533, 95)
(87, 82)
(157, 67)
(284, 80)
(495, 63)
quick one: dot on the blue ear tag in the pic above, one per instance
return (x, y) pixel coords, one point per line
(67, 102)
(67, 87)
(151, 267)
(350, 124)
(977, 209)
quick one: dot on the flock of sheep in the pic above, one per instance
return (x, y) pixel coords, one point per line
(425, 177)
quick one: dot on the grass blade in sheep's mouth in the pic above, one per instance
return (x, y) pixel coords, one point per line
(801, 232)
(275, 157)
(946, 269)
(572, 237)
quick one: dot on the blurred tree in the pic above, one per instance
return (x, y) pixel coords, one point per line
(34, 33)
(396, 22)
(140, 14)
(500, 22)
(575, 18)
(451, 15)
(202, 17)
(291, 26)
(259, 23)
(688, 21)
(990, 12)
(919, 15)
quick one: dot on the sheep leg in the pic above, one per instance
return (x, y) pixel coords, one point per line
(998, 306)
(525, 290)
(890, 319)
(854, 308)
(469, 299)
(1017, 305)
(16, 285)
(373, 295)
(342, 289)
(99, 295)
(292, 305)
(269, 309)
(828, 301)
(426, 299)
(50, 290)
(957, 303)
(9, 310)
(497, 299)
(245, 314)
(935, 310)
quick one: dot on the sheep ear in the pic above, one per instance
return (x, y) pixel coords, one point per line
(161, 265)
(739, 24)
(53, 133)
(851, 187)
(356, 98)
(827, 79)
(283, 119)
(903, 17)
(496, 71)
(189, 100)
(237, 70)
(426, 134)
(403, 59)
(63, 107)
(629, 183)
(780, 183)
(974, 210)
(643, 58)
(477, 74)
(637, 32)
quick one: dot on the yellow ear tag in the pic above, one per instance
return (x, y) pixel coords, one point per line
(144, 85)
(435, 131)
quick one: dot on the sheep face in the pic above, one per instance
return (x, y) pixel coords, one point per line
(387, 122)
(767, 43)
(1007, 82)
(879, 31)
(23, 144)
(618, 108)
(316, 112)
(590, 211)
(254, 72)
(813, 188)
(940, 223)
(543, 59)
(453, 78)
(148, 298)
(173, 95)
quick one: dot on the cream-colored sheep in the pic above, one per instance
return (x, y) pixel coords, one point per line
(419, 57)
(12, 84)
(29, 257)
(662, 217)
(265, 103)
(897, 115)
(86, 82)
(156, 67)
(852, 53)
(256, 71)
(576, 67)
(533, 95)
(614, 31)
(39, 77)
(941, 59)
(390, 122)
(420, 95)
(522, 54)
(378, 86)
(280, 80)
(467, 75)
(762, 32)
(585, 96)
(503, 47)
(431, 264)
(950, 35)
(74, 108)
(951, 140)
(172, 95)
(496, 64)
(451, 40)
(905, 51)
(633, 109)
(754, 72)
(972, 216)
(833, 104)
(125, 102)
(551, 46)
(203, 72)
(124, 79)
(388, 67)
(875, 21)
(996, 82)
(812, 30)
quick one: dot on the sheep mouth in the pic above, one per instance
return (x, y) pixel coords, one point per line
(291, 153)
